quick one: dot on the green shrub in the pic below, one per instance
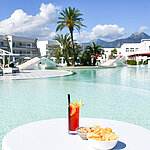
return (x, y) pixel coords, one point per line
(131, 62)
(145, 62)
(141, 62)
(6, 60)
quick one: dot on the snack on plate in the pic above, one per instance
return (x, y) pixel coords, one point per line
(82, 132)
(101, 134)
(85, 129)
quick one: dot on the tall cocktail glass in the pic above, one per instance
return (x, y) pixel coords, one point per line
(73, 120)
(73, 115)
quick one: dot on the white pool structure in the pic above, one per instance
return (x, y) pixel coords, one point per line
(121, 94)
(36, 74)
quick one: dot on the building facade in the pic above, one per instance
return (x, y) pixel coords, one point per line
(45, 47)
(128, 49)
(137, 51)
(25, 47)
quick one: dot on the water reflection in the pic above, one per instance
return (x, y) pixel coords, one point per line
(131, 77)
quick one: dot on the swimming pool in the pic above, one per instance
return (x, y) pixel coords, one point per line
(119, 93)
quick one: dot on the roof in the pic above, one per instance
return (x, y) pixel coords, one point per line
(142, 54)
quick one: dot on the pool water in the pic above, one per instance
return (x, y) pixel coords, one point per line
(119, 94)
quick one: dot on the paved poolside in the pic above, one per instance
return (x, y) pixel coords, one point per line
(34, 74)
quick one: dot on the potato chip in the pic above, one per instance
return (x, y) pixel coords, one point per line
(101, 134)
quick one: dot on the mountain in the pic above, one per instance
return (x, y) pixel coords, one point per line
(97, 41)
(134, 38)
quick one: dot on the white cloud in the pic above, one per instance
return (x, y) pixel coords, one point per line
(143, 28)
(23, 24)
(104, 32)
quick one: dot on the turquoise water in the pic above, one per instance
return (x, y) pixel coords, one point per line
(119, 93)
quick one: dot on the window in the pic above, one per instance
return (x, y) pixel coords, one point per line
(136, 49)
(13, 44)
(131, 49)
(33, 45)
(127, 49)
(23, 45)
(48, 47)
(2, 43)
(28, 45)
(17, 44)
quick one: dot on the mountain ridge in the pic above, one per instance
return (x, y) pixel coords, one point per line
(134, 38)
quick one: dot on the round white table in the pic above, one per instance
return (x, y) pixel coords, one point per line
(53, 135)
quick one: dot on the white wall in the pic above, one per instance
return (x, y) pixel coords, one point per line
(143, 47)
(130, 48)
(108, 51)
(42, 46)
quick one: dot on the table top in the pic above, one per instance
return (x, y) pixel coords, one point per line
(53, 134)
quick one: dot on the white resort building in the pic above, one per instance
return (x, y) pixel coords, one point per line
(23, 46)
(137, 51)
(18, 45)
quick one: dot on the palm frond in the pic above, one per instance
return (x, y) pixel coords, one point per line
(63, 14)
(71, 18)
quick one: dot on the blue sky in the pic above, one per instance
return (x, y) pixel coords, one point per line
(128, 16)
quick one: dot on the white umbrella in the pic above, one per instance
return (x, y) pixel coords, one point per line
(27, 58)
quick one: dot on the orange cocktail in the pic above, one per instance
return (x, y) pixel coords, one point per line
(74, 114)
(73, 117)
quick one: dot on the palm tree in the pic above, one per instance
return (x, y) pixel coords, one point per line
(56, 52)
(70, 18)
(65, 47)
(86, 58)
(36, 48)
(95, 49)
(8, 47)
(78, 49)
(113, 52)
(63, 40)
